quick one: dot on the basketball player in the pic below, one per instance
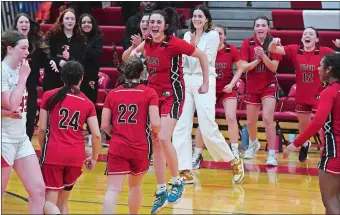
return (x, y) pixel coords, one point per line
(261, 87)
(129, 108)
(306, 59)
(63, 113)
(163, 53)
(327, 117)
(17, 151)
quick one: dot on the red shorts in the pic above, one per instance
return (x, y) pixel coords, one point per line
(169, 105)
(58, 177)
(306, 108)
(222, 96)
(4, 163)
(269, 92)
(330, 165)
(124, 160)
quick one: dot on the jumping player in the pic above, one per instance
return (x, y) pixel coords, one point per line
(62, 116)
(163, 53)
(306, 59)
(261, 87)
(327, 117)
(17, 150)
(129, 108)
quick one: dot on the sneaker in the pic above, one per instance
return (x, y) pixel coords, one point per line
(271, 160)
(196, 160)
(238, 170)
(176, 193)
(303, 154)
(186, 177)
(251, 149)
(160, 202)
(236, 153)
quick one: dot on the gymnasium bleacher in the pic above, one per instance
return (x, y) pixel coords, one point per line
(288, 21)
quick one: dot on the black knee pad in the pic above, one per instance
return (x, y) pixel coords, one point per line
(68, 188)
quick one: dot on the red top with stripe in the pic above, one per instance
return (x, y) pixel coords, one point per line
(164, 64)
(308, 84)
(328, 117)
(129, 107)
(64, 144)
(224, 65)
(260, 77)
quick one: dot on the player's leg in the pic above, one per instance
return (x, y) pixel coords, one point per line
(118, 166)
(114, 187)
(135, 193)
(230, 107)
(253, 107)
(304, 115)
(330, 191)
(6, 170)
(70, 176)
(25, 168)
(269, 105)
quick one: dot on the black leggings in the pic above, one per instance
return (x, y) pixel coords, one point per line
(32, 108)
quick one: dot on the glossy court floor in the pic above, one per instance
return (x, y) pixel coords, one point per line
(292, 187)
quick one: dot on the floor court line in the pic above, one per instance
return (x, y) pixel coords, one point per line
(144, 206)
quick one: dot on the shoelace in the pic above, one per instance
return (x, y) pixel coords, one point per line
(174, 189)
(158, 198)
(237, 168)
(196, 156)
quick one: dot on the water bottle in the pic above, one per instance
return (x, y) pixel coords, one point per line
(245, 137)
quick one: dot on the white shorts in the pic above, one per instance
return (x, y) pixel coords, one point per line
(14, 151)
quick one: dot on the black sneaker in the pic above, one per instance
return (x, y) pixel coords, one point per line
(303, 154)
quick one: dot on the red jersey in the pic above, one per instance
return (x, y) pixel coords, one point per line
(164, 64)
(64, 143)
(224, 65)
(308, 84)
(328, 117)
(260, 77)
(130, 115)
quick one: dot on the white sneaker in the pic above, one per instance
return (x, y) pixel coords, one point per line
(271, 160)
(252, 149)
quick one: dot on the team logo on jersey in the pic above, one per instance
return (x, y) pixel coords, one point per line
(166, 93)
(92, 83)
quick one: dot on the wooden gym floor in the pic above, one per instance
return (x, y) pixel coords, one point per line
(292, 187)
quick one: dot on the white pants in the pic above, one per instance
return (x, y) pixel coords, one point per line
(14, 151)
(205, 107)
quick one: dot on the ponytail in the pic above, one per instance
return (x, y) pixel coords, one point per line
(266, 44)
(58, 97)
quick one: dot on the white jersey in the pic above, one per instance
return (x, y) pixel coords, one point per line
(13, 130)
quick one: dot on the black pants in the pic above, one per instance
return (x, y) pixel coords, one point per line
(32, 108)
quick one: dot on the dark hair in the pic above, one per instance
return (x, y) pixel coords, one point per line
(206, 13)
(171, 19)
(316, 31)
(57, 29)
(269, 38)
(71, 73)
(34, 36)
(223, 27)
(10, 38)
(95, 28)
(332, 60)
(132, 68)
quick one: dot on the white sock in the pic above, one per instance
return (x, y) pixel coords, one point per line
(161, 188)
(271, 151)
(253, 142)
(234, 146)
(198, 150)
(176, 180)
(306, 143)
